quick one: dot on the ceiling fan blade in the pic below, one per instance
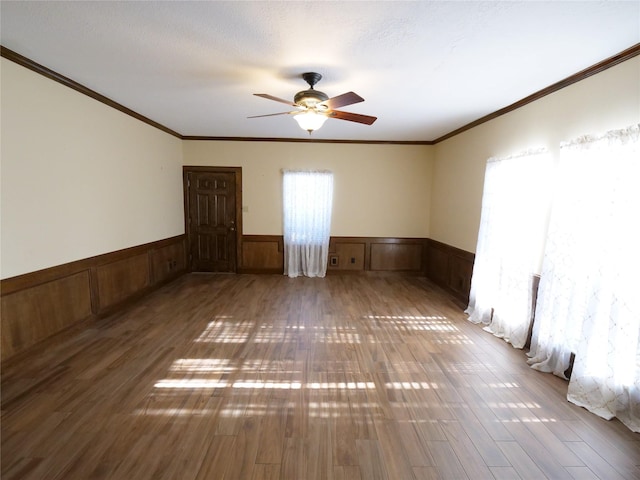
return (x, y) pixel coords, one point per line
(271, 97)
(272, 114)
(352, 117)
(343, 100)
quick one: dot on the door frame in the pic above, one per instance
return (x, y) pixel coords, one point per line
(237, 171)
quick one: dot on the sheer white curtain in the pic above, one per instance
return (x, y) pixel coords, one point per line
(510, 239)
(308, 198)
(588, 295)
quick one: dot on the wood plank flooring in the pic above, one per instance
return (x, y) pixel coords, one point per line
(266, 377)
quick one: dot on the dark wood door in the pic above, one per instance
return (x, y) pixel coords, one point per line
(212, 227)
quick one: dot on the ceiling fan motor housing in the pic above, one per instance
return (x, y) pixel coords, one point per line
(309, 98)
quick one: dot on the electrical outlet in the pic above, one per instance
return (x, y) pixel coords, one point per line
(353, 259)
(333, 260)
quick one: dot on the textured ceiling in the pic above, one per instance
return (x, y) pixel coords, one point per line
(424, 68)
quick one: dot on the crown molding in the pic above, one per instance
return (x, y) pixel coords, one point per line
(307, 140)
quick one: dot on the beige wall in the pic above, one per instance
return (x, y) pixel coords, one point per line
(379, 190)
(606, 101)
(79, 178)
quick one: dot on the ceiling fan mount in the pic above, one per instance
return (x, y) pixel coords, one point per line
(313, 107)
(311, 78)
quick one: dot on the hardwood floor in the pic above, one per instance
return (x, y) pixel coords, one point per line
(266, 377)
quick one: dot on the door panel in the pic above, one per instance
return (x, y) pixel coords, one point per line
(211, 219)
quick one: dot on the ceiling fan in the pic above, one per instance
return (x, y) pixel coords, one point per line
(313, 107)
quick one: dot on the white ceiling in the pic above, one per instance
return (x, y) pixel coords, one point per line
(425, 68)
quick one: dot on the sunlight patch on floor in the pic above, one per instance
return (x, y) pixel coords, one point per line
(529, 420)
(503, 385)
(430, 323)
(201, 384)
(202, 365)
(405, 317)
(192, 384)
(226, 332)
(411, 385)
(177, 412)
(512, 405)
(458, 339)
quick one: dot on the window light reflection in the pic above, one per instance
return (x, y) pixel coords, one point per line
(430, 323)
(205, 384)
(467, 367)
(341, 385)
(503, 385)
(454, 340)
(411, 385)
(530, 420)
(177, 412)
(405, 317)
(219, 365)
(242, 332)
(513, 405)
(226, 332)
(270, 385)
(212, 365)
(317, 408)
(191, 384)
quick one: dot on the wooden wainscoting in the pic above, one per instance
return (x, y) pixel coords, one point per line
(379, 254)
(450, 268)
(40, 304)
(262, 254)
(265, 254)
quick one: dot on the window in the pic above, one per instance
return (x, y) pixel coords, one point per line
(307, 202)
(586, 307)
(587, 301)
(510, 242)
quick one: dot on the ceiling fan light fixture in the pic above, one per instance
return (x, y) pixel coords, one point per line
(310, 120)
(314, 106)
